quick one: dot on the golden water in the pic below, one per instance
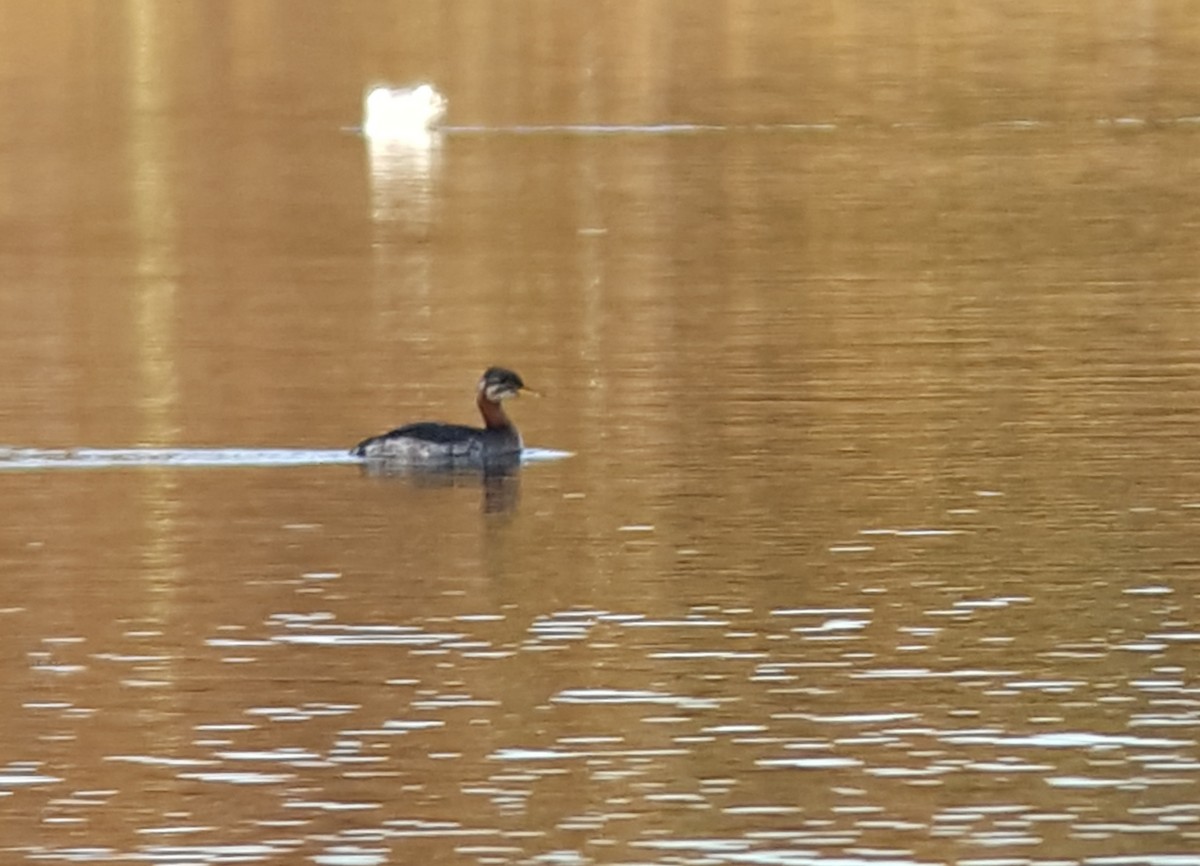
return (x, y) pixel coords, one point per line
(878, 544)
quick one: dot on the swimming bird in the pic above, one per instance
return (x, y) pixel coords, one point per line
(434, 443)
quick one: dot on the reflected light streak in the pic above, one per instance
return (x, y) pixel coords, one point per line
(403, 161)
(156, 221)
(402, 150)
(157, 275)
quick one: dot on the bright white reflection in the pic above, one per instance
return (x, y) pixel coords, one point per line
(400, 112)
(400, 125)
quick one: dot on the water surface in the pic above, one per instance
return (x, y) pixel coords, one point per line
(872, 333)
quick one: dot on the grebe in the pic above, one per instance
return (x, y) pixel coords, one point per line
(431, 442)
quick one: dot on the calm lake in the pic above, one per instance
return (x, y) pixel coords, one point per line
(873, 333)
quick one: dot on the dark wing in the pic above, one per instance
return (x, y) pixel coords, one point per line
(433, 431)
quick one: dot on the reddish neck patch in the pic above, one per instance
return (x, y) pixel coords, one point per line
(492, 412)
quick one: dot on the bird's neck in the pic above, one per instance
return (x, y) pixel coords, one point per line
(493, 413)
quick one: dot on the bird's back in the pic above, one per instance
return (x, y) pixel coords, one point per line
(433, 442)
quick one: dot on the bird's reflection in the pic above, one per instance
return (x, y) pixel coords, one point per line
(499, 480)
